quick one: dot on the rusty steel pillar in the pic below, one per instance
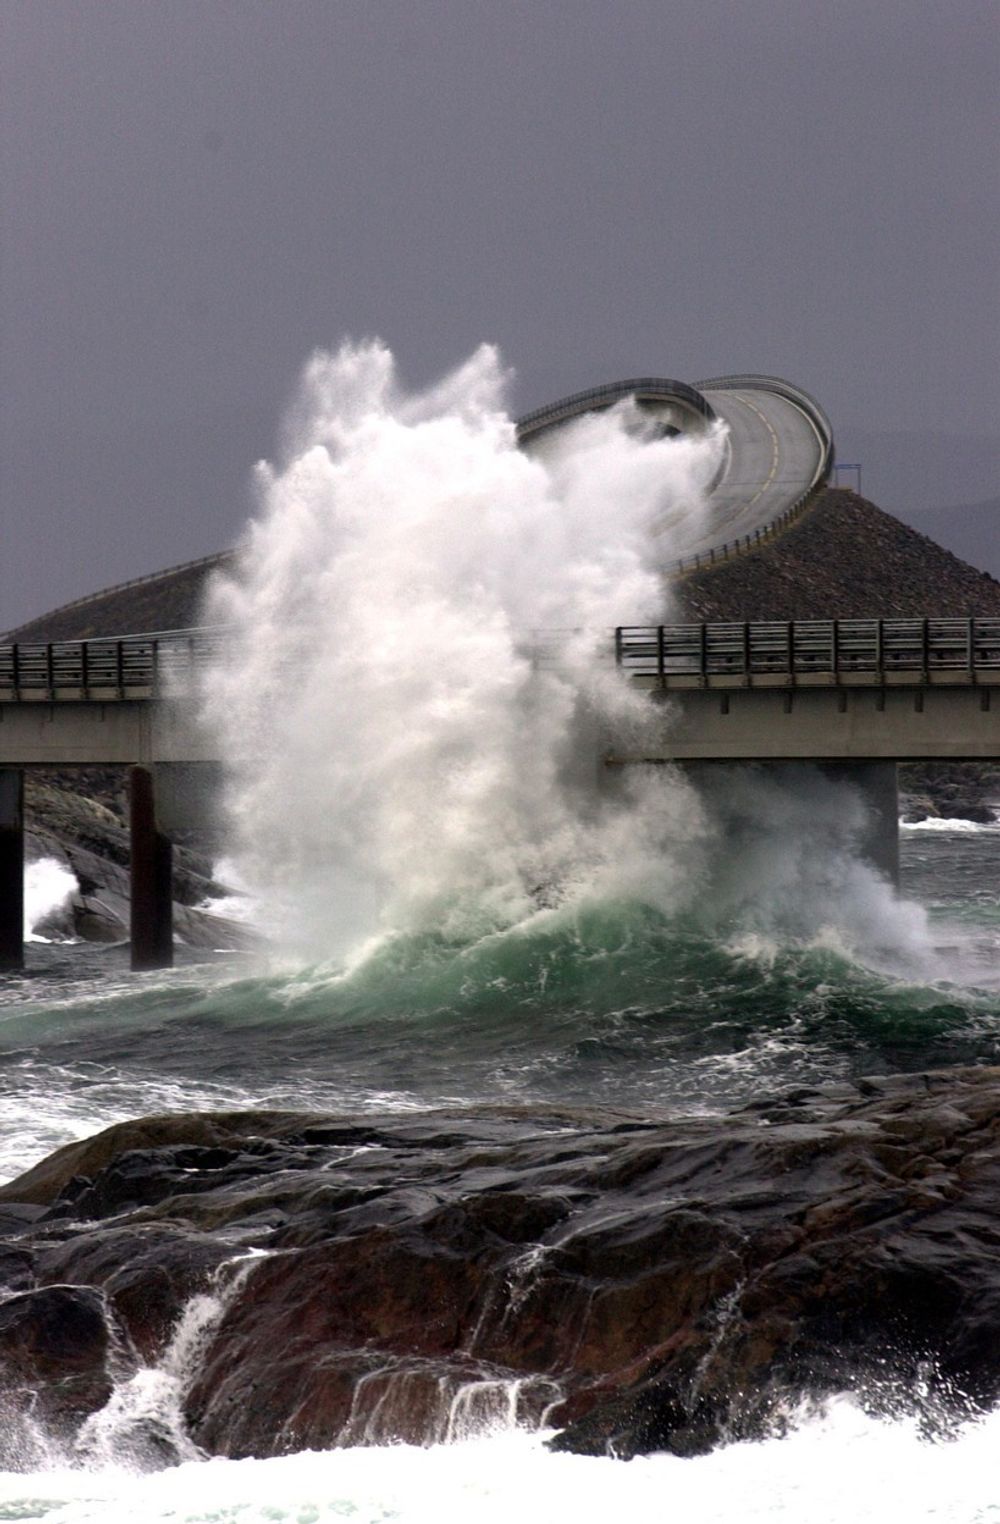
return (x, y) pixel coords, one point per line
(11, 867)
(152, 926)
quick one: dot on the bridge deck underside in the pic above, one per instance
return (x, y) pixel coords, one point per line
(900, 723)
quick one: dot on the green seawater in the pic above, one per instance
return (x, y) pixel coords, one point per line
(608, 1004)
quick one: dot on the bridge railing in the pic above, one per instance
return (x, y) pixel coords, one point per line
(878, 650)
(130, 666)
(682, 655)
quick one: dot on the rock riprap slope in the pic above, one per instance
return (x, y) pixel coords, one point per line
(638, 1284)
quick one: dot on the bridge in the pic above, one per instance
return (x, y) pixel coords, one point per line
(853, 696)
(806, 690)
(777, 453)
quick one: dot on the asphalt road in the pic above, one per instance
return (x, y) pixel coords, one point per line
(774, 453)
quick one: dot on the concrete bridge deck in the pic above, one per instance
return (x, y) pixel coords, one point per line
(825, 690)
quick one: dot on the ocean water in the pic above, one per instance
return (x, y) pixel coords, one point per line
(615, 1004)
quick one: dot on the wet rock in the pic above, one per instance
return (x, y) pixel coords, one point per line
(54, 1347)
(89, 836)
(651, 1285)
(147, 1273)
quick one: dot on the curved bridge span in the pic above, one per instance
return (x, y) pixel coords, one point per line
(777, 452)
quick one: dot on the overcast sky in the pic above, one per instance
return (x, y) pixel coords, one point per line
(196, 193)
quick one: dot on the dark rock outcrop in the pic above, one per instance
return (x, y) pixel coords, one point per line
(85, 831)
(54, 1349)
(646, 1284)
(950, 791)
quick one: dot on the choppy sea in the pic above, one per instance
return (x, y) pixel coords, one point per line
(612, 1004)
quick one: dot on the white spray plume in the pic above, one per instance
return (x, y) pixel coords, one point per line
(396, 759)
(784, 858)
(48, 885)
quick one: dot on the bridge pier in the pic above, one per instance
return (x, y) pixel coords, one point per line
(151, 919)
(11, 868)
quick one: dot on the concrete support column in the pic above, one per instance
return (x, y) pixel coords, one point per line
(152, 878)
(11, 867)
(878, 784)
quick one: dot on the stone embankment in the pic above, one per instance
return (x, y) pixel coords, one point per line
(641, 1284)
(844, 559)
(167, 600)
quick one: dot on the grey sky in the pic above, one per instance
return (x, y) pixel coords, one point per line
(196, 193)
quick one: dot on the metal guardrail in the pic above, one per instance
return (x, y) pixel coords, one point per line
(875, 651)
(129, 666)
(672, 655)
(652, 388)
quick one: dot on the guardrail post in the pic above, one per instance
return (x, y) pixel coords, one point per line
(151, 913)
(618, 645)
(661, 665)
(703, 653)
(11, 868)
(970, 646)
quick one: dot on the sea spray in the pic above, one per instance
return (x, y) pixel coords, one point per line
(142, 1425)
(398, 756)
(48, 885)
(834, 1464)
(785, 864)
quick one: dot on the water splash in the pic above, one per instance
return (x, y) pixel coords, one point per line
(398, 756)
(48, 885)
(834, 1464)
(142, 1424)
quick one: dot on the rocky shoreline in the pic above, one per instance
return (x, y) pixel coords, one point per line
(950, 791)
(638, 1284)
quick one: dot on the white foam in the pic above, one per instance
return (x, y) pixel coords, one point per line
(48, 885)
(956, 827)
(834, 1466)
